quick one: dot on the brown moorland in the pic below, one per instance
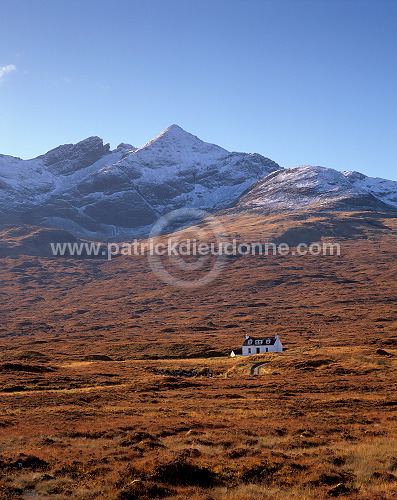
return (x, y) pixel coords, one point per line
(116, 386)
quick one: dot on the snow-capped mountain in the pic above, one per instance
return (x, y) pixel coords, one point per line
(318, 187)
(96, 193)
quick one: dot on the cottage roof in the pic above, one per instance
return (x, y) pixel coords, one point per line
(252, 341)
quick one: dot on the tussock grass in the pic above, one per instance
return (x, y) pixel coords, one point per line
(317, 421)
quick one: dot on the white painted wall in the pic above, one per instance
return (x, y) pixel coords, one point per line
(249, 350)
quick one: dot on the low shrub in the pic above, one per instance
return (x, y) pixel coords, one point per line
(179, 471)
(143, 490)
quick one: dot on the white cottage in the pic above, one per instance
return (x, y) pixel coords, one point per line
(258, 345)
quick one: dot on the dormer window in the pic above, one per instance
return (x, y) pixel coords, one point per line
(258, 342)
(267, 341)
(250, 341)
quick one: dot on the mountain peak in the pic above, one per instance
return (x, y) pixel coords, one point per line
(176, 132)
(68, 158)
(175, 138)
(175, 129)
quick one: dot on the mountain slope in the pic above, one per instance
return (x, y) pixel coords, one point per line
(320, 188)
(97, 193)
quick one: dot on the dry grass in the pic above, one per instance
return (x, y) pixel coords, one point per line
(114, 387)
(296, 434)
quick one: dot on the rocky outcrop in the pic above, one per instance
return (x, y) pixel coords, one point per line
(68, 158)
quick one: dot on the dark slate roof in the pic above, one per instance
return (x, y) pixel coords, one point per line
(262, 339)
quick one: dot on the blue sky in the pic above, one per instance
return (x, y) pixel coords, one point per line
(302, 82)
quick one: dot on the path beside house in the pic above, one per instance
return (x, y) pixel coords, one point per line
(258, 366)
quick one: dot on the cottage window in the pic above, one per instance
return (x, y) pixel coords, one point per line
(249, 350)
(250, 341)
(267, 341)
(258, 342)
